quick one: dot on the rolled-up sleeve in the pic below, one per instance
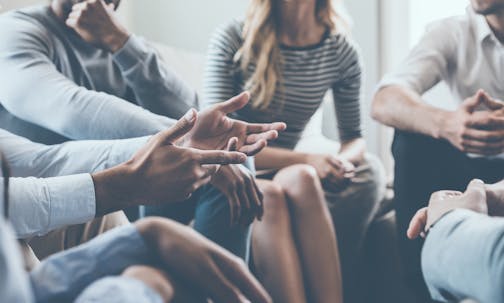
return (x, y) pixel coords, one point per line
(463, 258)
(41, 205)
(428, 62)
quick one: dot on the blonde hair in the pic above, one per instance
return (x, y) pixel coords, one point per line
(261, 46)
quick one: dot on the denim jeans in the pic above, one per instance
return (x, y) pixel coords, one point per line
(211, 213)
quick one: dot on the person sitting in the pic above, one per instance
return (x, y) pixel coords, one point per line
(288, 54)
(463, 254)
(118, 266)
(434, 147)
(71, 70)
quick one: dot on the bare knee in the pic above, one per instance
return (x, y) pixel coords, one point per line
(275, 204)
(302, 185)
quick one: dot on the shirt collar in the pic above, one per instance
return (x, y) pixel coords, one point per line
(481, 27)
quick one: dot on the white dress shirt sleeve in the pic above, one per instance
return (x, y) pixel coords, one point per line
(27, 158)
(41, 205)
(429, 61)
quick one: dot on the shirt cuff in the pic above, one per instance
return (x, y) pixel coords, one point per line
(131, 53)
(123, 150)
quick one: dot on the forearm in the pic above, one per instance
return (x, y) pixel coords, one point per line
(353, 150)
(278, 158)
(403, 109)
(463, 257)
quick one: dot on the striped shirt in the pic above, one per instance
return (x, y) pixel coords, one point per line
(307, 73)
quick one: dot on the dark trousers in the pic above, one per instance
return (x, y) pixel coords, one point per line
(424, 165)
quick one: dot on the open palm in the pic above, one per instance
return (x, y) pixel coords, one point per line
(214, 128)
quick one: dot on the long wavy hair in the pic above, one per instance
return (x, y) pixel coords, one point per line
(261, 46)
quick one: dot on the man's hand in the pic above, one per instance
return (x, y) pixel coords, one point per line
(214, 128)
(244, 196)
(479, 132)
(161, 171)
(442, 202)
(333, 171)
(206, 267)
(96, 23)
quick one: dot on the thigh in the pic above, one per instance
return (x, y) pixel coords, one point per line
(213, 220)
(182, 212)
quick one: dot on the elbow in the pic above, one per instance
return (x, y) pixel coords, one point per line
(378, 106)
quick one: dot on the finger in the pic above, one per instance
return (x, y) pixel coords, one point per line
(268, 135)
(491, 103)
(220, 157)
(235, 207)
(254, 197)
(469, 143)
(238, 273)
(232, 144)
(71, 22)
(483, 152)
(472, 103)
(484, 135)
(254, 128)
(79, 6)
(417, 224)
(210, 169)
(219, 287)
(235, 103)
(477, 189)
(203, 181)
(335, 162)
(485, 120)
(253, 149)
(260, 195)
(182, 127)
(246, 209)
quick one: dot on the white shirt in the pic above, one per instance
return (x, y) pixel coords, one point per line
(461, 51)
(41, 202)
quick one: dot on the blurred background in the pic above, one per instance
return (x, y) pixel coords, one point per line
(384, 29)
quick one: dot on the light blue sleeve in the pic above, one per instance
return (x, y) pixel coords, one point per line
(463, 258)
(156, 87)
(62, 277)
(119, 290)
(30, 159)
(33, 89)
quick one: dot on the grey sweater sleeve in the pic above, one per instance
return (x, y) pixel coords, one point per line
(463, 258)
(32, 89)
(156, 88)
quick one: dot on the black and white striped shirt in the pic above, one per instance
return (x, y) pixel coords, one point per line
(307, 74)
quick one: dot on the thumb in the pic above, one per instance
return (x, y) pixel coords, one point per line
(182, 127)
(470, 104)
(477, 187)
(491, 103)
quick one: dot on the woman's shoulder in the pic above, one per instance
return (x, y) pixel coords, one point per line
(342, 45)
(229, 33)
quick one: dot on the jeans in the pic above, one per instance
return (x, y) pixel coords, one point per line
(424, 165)
(211, 213)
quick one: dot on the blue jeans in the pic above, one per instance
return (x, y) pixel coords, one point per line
(211, 213)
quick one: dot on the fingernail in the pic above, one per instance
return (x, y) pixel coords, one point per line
(189, 116)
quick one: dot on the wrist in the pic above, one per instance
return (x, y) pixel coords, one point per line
(441, 129)
(116, 40)
(113, 190)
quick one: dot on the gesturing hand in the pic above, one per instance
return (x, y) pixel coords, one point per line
(214, 128)
(96, 23)
(244, 196)
(205, 266)
(477, 131)
(161, 171)
(441, 202)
